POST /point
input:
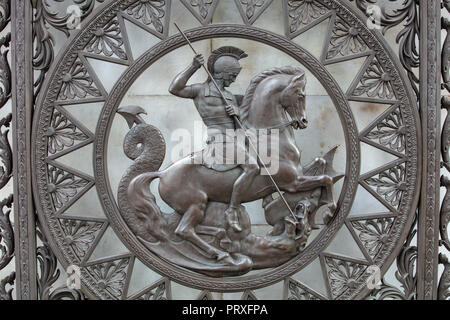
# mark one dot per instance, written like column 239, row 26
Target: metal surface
column 69, row 79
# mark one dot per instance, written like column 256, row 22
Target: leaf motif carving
column 108, row 41
column 375, row 83
column 149, row 12
column 390, row 184
column 390, row 132
column 6, row 233
column 5, row 152
column 406, row 38
column 111, row 275
column 9, row 280
column 343, row 275
column 44, row 42
column 304, row 12
column 373, row 233
column 5, row 13
column 155, row 294
column 203, row 6
column 78, row 84
column 62, row 133
column 405, row 274
column 80, row 235
column 49, row 274
column 5, row 71
column 251, row 7
column 296, row 292
column 63, row 186
column 345, row 40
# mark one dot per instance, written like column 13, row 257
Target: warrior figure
column 219, row 118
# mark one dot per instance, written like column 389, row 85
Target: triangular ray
column 81, row 234
column 87, row 206
column 387, row 184
column 108, row 246
column 87, row 114
column 141, row 279
column 387, row 132
column 342, row 273
column 343, row 43
column 313, row 39
column 274, row 12
column 65, row 134
column 372, row 158
column 312, row 277
column 205, row 295
column 372, row 234
column 66, row 185
column 180, row 292
column 365, row 112
column 225, row 13
column 302, row 15
column 73, row 157
column 373, row 83
column 294, row 290
column 140, row 38
column 111, row 274
column 365, row 204
column 111, row 72
column 80, row 85
column 346, row 71
column 344, row 244
column 273, row 292
column 248, row 295
column 203, row 10
column 109, row 43
column 251, row 10
column 153, row 16
column 160, row 290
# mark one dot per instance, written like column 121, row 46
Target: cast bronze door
column 219, row 149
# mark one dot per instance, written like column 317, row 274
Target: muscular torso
column 210, row 105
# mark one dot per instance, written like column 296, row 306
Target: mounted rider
column 218, row 117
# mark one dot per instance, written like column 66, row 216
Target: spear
column 238, row 121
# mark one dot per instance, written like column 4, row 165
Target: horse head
column 274, row 96
column 293, row 100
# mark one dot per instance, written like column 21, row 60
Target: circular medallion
column 72, row 81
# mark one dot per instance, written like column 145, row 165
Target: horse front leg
column 307, row 183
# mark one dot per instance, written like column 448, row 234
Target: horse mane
column 248, row 98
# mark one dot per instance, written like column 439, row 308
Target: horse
column 275, row 99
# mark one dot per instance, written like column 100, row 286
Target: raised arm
column 178, row 86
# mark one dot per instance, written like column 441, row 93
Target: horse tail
column 144, row 202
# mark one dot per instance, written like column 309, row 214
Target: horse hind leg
column 331, row 206
column 186, row 230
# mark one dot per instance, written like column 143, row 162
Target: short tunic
column 225, row 149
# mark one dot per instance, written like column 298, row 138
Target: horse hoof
column 327, row 216
column 225, row 244
column 222, row 255
column 333, row 206
column 236, row 227
column 232, row 219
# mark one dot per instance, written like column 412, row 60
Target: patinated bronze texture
column 314, row 239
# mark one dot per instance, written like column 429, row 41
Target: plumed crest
column 225, row 51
